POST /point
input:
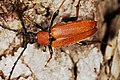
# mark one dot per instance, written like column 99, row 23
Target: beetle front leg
column 51, row 53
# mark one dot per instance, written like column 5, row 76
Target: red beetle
column 66, row 34
column 59, row 35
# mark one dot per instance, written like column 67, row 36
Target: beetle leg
column 61, row 4
column 51, row 53
column 92, row 42
column 62, row 50
column 77, row 9
column 66, row 19
column 83, row 43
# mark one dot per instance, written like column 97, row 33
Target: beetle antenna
column 36, row 25
column 8, row 28
column 25, row 46
column 20, row 13
column 11, row 72
column 53, row 18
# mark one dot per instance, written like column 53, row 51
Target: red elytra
column 69, row 33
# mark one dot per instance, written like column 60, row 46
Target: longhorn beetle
column 59, row 35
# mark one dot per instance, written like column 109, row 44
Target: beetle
column 66, row 34
column 57, row 36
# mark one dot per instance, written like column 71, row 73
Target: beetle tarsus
column 48, row 60
column 51, row 53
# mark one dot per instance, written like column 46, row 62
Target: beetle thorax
column 43, row 38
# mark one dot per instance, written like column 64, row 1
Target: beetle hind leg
column 83, row 43
column 68, row 18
